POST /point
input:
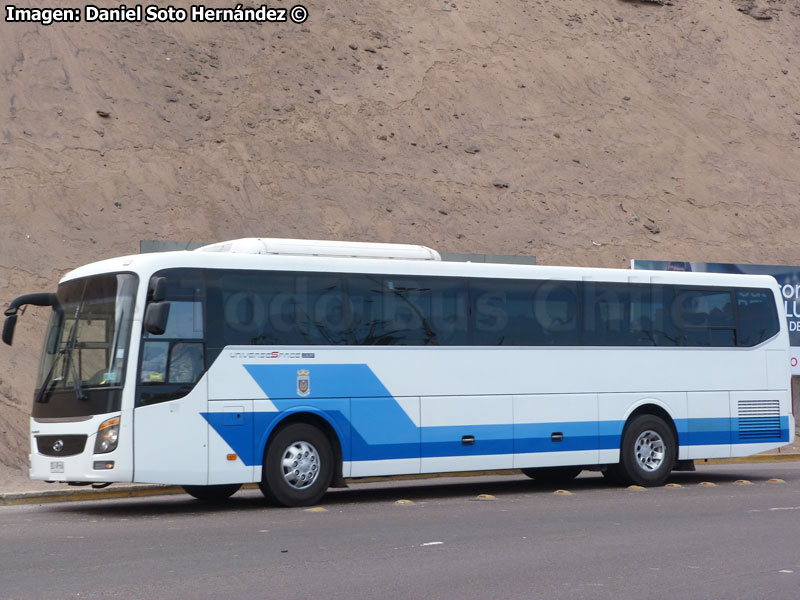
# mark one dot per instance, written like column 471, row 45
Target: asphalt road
column 730, row 540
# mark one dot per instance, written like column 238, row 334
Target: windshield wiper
column 47, row 385
column 65, row 352
column 68, row 348
column 76, row 381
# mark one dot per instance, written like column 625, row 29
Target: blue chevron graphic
column 371, row 424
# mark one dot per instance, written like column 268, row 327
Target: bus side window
column 259, row 308
column 705, row 317
column 641, row 316
column 177, row 355
column 757, row 317
column 449, row 311
column 405, row 311
column 406, row 314
column 185, row 362
column 665, row 330
column 502, row 313
column 606, row 315
column 185, row 321
column 323, row 314
column 555, row 305
column 365, row 308
column 154, row 362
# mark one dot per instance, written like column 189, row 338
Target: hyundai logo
column 58, row 446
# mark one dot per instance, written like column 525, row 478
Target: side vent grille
column 759, row 419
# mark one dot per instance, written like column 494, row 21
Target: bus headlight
column 107, row 436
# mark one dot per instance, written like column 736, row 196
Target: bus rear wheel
column 553, row 474
column 212, row 493
column 298, row 466
column 647, row 453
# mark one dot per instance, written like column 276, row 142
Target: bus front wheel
column 647, row 453
column 298, row 466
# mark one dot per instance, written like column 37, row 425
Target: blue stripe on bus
column 443, row 441
column 249, row 439
column 372, row 425
column 704, row 431
column 723, row 430
column 579, row 435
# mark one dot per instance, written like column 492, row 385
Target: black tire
column 553, row 474
column 297, row 445
column 212, row 493
column 647, row 453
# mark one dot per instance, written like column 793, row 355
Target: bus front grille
column 60, row 445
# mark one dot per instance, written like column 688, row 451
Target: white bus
column 298, row 364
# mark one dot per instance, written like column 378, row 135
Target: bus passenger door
column 170, row 438
column 461, row 433
column 170, row 426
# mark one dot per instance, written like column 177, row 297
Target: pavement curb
column 143, row 491
column 756, row 458
column 75, row 495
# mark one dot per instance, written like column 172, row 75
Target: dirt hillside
column 584, row 132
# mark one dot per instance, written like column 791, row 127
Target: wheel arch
column 320, row 422
column 625, row 471
column 655, row 408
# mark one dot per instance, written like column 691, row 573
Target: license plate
column 56, row 466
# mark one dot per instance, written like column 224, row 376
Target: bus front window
column 82, row 367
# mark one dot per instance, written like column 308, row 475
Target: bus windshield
column 85, row 348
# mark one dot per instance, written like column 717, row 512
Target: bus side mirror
column 8, row 328
column 40, row 299
column 155, row 317
column 158, row 289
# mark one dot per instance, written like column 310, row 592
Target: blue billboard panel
column 788, row 278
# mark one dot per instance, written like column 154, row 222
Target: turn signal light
column 232, row 457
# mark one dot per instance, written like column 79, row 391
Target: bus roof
column 249, row 255
column 292, row 247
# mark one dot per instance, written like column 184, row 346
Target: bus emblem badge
column 303, row 385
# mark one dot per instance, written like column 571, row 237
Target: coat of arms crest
column 303, row 383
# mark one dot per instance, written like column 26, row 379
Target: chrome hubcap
column 649, row 449
column 300, row 465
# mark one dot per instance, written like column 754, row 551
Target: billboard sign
column 788, row 278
